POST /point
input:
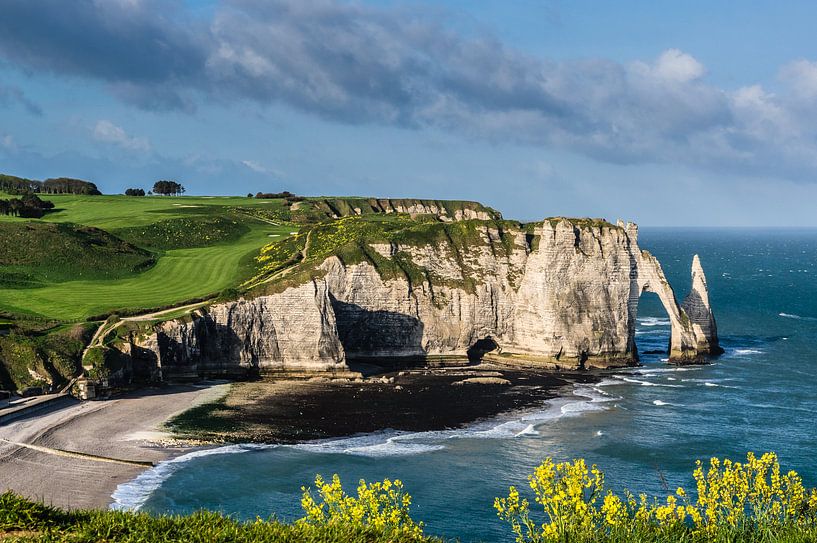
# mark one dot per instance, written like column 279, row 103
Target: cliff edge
column 557, row 294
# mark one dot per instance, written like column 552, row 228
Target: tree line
column 59, row 185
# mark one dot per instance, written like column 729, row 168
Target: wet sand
column 417, row 400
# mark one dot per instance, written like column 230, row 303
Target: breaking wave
column 653, row 321
column 797, row 317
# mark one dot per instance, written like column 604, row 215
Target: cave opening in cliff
column 652, row 328
column 480, row 348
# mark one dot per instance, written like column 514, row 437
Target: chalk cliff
column 560, row 294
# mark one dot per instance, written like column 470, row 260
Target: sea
column 644, row 427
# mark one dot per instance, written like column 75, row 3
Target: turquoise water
column 645, row 427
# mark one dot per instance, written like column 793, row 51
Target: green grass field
column 180, row 274
column 112, row 212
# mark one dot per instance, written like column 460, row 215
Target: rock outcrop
column 561, row 295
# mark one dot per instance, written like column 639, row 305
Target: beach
column 76, row 455
column 120, row 437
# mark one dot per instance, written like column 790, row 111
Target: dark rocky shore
column 286, row 411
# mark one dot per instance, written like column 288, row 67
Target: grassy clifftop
column 353, row 239
column 304, row 211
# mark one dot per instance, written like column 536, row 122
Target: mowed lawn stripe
column 179, row 275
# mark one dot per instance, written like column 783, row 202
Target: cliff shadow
column 209, row 349
column 386, row 338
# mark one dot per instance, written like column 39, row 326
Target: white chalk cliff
column 561, row 295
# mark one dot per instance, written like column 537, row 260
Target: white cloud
column 107, row 132
column 254, row 166
column 359, row 63
column 7, row 142
column 676, row 65
column 801, row 78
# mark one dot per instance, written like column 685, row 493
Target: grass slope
column 25, row 521
column 36, row 254
column 202, row 246
column 179, row 275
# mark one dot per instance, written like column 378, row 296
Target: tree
column 29, row 206
column 167, row 187
column 249, row 195
column 134, row 192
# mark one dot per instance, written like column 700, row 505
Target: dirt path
column 155, row 314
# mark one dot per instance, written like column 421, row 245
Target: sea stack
column 697, row 308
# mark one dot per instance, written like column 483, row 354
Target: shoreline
column 74, row 457
column 127, row 428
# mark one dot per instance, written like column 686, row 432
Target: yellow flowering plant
column 736, row 501
column 380, row 505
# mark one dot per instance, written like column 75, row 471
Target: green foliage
column 736, row 502
column 17, row 185
column 200, row 269
column 751, row 502
column 68, row 185
column 167, row 187
column 29, row 206
column 103, row 361
column 62, row 185
column 185, row 232
column 35, row 253
column 34, row 522
column 53, row 357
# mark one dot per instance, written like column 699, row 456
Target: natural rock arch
column 693, row 333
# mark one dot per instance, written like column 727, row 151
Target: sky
column 663, row 112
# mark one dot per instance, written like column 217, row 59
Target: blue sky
column 667, row 113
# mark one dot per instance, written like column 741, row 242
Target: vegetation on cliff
column 33, row 358
column 93, row 255
column 353, row 239
column 746, row 502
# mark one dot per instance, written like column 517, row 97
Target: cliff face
column 561, row 295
